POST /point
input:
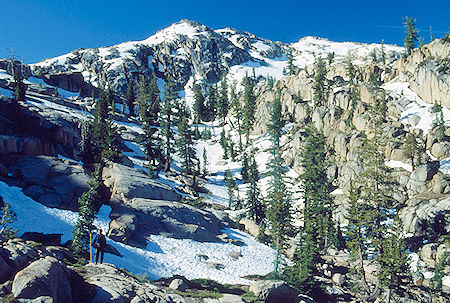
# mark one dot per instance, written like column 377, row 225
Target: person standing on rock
column 99, row 243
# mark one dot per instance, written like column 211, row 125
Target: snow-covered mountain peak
column 307, row 48
column 184, row 27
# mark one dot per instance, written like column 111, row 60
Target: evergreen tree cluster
column 99, row 137
column 318, row 232
column 149, row 110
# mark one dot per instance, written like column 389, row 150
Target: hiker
column 99, row 243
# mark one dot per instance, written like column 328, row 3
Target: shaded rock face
column 178, row 51
column 51, row 181
column 44, row 277
column 45, row 239
column 7, row 65
column 36, row 132
column 14, row 256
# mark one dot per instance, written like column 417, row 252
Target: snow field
column 163, row 257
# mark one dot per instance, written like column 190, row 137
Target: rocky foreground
column 33, row 272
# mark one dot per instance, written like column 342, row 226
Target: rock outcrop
column 51, row 181
column 427, row 70
column 32, row 273
column 277, row 292
column 128, row 183
column 142, row 206
column 134, row 222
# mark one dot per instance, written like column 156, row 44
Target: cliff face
column 344, row 122
column 428, row 72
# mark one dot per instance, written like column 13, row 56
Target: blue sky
column 39, row 29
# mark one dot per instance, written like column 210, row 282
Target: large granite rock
column 44, row 277
column 51, row 181
column 113, row 285
column 419, row 213
column 126, row 183
column 277, row 292
column 134, row 222
column 423, row 70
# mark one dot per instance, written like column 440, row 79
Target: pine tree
column 278, row 198
column 439, row 121
column 185, row 144
column 254, row 203
column 101, row 137
column 383, row 53
column 231, row 148
column 350, row 71
column 411, row 34
column 231, row 186
column 205, row 162
column 150, row 143
column 237, row 112
column 357, row 234
column 411, row 148
column 392, row 258
column 306, row 256
column 149, row 106
column 320, row 85
column 223, row 104
column 420, row 42
column 224, row 143
column 86, row 216
column 330, row 58
column 248, row 112
column 130, row 99
column 211, row 104
column 379, row 204
column 199, row 105
column 245, row 168
column 110, row 99
column 318, row 232
column 316, row 190
column 289, row 70
column 18, row 84
column 431, row 34
column 143, row 98
column 167, row 121
column 7, row 217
